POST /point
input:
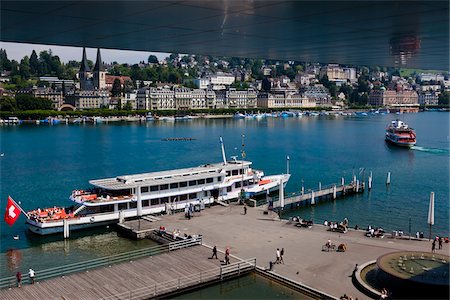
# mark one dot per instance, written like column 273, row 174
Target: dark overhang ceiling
column 388, row 33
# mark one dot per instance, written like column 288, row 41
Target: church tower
column 85, row 73
column 99, row 73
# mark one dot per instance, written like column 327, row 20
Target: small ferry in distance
column 111, row 200
column 400, row 134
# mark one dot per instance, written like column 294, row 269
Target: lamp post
column 242, row 166
column 287, row 164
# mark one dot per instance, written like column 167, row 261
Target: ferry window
column 235, row 172
column 241, row 171
column 228, row 173
column 153, row 188
column 133, row 204
column 174, row 185
column 144, row 203
column 144, row 189
column 245, row 183
column 193, row 196
column 164, row 200
column 192, row 182
column 122, row 206
column 183, row 197
column 229, row 189
column 219, row 179
column 107, row 208
column 154, row 201
column 183, row 184
column 209, row 180
column 205, row 193
column 201, row 181
column 163, row 187
column 237, row 184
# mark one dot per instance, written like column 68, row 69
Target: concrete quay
column 258, row 235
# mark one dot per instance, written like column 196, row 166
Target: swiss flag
column 12, row 212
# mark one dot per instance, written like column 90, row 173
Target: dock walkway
column 137, row 279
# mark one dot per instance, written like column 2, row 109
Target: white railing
column 171, row 286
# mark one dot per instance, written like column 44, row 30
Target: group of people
column 31, row 275
column 227, row 255
column 279, row 256
column 337, row 226
column 374, row 232
column 189, row 211
column 439, row 240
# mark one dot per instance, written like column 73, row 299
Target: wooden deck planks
column 119, row 278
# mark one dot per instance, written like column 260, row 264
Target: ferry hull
column 400, row 144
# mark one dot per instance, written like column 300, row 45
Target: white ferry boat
column 111, row 200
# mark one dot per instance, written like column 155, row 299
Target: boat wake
column 430, row 150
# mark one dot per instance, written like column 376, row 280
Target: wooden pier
column 332, row 191
column 148, row 277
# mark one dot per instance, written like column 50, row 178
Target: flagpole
column 21, row 209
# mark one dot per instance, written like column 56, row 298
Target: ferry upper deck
column 216, row 170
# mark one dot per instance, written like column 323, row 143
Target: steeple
column 84, row 64
column 99, row 64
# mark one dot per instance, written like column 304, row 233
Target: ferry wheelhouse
column 400, row 134
column 113, row 199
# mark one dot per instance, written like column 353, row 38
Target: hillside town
column 196, row 82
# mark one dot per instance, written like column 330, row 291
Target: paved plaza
column 258, row 235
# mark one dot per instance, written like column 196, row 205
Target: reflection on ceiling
column 388, row 33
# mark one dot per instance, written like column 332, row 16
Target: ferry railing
column 9, row 282
column 171, row 286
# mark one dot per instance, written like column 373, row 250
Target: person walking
column 433, row 246
column 227, row 256
column 281, row 256
column 31, row 274
column 19, row 279
column 440, row 243
column 245, row 209
column 214, row 255
column 278, row 256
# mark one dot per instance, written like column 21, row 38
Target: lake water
column 42, row 164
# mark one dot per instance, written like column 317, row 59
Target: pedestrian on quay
column 278, row 256
column 214, row 252
column 281, row 256
column 19, row 279
column 433, row 246
column 245, row 209
column 440, row 242
column 227, row 256
column 31, row 274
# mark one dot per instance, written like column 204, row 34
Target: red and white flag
column 12, row 212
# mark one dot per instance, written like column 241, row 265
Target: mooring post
column 320, row 186
column 388, row 179
column 357, row 186
column 342, row 181
column 312, row 198
column 354, row 178
column 334, row 192
column 370, row 181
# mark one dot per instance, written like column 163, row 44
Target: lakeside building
column 384, row 97
column 88, row 99
column 92, row 79
column 317, row 93
column 218, row 81
column 241, row 99
column 109, row 81
column 338, row 74
column 55, row 96
column 431, row 77
column 284, row 100
column 429, row 98
column 130, row 97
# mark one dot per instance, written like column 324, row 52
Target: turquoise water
column 42, row 164
column 250, row 286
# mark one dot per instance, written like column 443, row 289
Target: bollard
column 388, row 179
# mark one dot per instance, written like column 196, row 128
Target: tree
column 444, row 98
column 24, row 68
column 152, row 59
column 127, row 106
column 7, row 104
column 34, row 63
column 265, row 85
column 5, row 63
column 116, row 88
column 28, row 102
